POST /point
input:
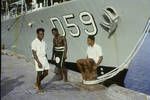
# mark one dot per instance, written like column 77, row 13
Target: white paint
column 69, row 25
column 89, row 22
column 61, row 25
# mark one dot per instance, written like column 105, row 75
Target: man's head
column 55, row 32
column 90, row 40
column 40, row 33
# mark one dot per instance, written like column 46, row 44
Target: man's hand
column 39, row 65
column 94, row 67
column 97, row 64
column 65, row 57
column 52, row 59
column 100, row 60
column 36, row 58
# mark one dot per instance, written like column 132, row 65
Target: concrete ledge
column 116, row 92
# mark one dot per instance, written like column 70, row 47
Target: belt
column 59, row 48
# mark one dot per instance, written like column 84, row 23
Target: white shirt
column 94, row 52
column 39, row 46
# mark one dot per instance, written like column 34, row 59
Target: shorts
column 44, row 62
column 59, row 57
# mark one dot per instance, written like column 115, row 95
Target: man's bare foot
column 35, row 86
column 41, row 91
column 59, row 77
column 66, row 80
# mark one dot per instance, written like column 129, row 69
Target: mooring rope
column 125, row 63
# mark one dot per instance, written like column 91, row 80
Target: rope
column 126, row 62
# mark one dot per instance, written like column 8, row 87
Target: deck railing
column 20, row 7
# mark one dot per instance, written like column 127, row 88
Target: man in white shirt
column 39, row 47
column 88, row 66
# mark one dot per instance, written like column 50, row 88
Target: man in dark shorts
column 88, row 66
column 60, row 54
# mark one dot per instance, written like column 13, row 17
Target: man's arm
column 99, row 53
column 46, row 50
column 86, row 57
column 53, row 52
column 36, row 58
column 46, row 56
column 100, row 60
column 66, row 47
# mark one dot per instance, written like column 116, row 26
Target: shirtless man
column 88, row 66
column 60, row 53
